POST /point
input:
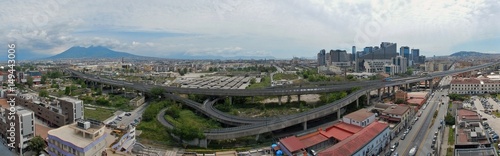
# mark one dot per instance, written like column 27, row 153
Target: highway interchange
column 272, row 124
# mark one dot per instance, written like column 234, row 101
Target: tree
column 252, row 81
column 44, row 79
column 67, row 90
column 157, row 91
column 449, row 119
column 43, row 93
column 37, row 144
column 29, row 81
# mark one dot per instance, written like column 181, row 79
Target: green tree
column 67, row 90
column 252, row 81
column 157, row 91
column 44, row 79
column 37, row 144
column 29, row 81
column 449, row 119
column 43, row 93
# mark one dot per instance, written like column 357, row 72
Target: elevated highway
column 285, row 121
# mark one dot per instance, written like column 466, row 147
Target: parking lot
column 216, row 82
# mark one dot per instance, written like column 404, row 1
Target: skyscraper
column 405, row 52
column 322, row 58
column 401, row 62
column 353, row 53
column 415, row 53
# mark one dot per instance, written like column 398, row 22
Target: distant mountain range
column 92, row 52
column 184, row 56
column 471, row 54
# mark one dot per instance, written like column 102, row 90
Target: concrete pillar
column 393, row 89
column 231, row 100
column 425, row 84
column 431, row 85
column 288, row 98
column 298, row 98
column 357, row 103
column 368, row 98
column 388, row 90
column 338, row 114
column 253, row 99
column 279, row 100
column 257, row 137
column 304, row 124
column 379, row 95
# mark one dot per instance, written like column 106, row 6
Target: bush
column 449, row 119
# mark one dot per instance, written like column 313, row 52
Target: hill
column 92, row 52
column 470, row 54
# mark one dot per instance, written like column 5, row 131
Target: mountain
column 184, row 56
column 24, row 54
column 471, row 54
column 92, row 52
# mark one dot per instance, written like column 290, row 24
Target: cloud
column 282, row 28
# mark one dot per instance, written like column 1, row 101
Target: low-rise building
column 18, row 129
column 369, row 141
column 56, row 112
column 470, row 132
column 362, row 118
column 82, row 138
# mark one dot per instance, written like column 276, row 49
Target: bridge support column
column 368, row 98
column 298, row 98
column 379, row 95
column 257, row 137
column 253, row 99
column 425, row 84
column 393, row 89
column 230, row 100
column 338, row 113
column 407, row 87
column 288, row 99
column 304, row 124
column 388, row 90
column 357, row 103
column 279, row 100
column 431, row 85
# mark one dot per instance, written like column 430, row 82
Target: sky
column 279, row 28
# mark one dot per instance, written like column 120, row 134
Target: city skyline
column 281, row 29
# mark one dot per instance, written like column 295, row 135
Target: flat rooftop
column 72, row 100
column 69, row 133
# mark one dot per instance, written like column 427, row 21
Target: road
column 286, row 121
column 135, row 114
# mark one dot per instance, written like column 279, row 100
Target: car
column 128, row 114
column 396, row 154
column 403, row 137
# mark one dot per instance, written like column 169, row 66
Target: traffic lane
column 425, row 126
column 426, row 146
column 408, row 142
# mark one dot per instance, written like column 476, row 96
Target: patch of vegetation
column 153, row 132
column 188, row 125
column 264, row 83
column 256, row 68
column 458, row 97
column 449, row 119
column 450, row 151
column 280, row 76
column 451, row 137
column 100, row 114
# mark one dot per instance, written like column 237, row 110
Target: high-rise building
column 415, row 53
column 339, row 56
column 401, row 62
column 367, row 50
column 84, row 137
column 23, row 129
column 405, row 52
column 322, row 58
column 353, row 53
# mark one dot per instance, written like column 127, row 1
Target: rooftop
column 73, row 134
column 292, row 143
column 359, row 115
column 352, row 144
column 397, row 109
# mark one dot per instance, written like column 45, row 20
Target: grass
column 451, row 137
column 154, row 133
column 100, row 114
column 279, row 76
column 187, row 116
column 449, row 151
column 267, row 110
column 497, row 114
column 261, row 84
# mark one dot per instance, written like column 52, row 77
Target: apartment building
column 24, row 127
column 82, row 138
column 362, row 118
column 55, row 112
column 474, row 86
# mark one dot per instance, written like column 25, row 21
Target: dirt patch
column 308, row 98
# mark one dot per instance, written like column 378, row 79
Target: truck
column 388, row 79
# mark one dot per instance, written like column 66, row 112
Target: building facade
column 362, row 118
column 474, row 86
column 322, row 58
column 401, row 62
column 23, row 129
column 82, row 138
column 57, row 112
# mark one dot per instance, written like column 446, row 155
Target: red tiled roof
column 337, row 133
column 359, row 115
column 292, row 143
column 347, row 127
column 352, row 144
column 312, row 139
column 397, row 109
column 416, row 101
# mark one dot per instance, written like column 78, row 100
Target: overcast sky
column 279, row 28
